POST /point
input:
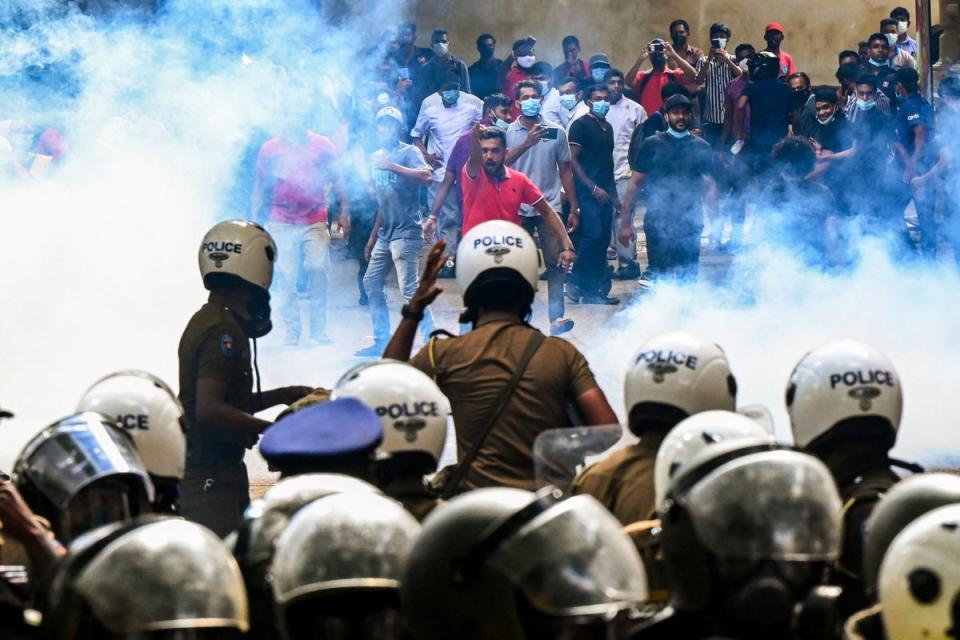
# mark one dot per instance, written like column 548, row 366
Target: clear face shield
column 374, row 616
column 574, row 570
column 559, row 455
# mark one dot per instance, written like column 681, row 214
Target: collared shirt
column 541, row 163
column 695, row 58
column 915, row 111
column 483, row 77
column 486, row 198
column 443, row 125
column 459, row 156
column 909, row 45
column 473, row 370
column 553, row 111
column 434, row 73
column 719, row 77
column 626, row 116
column 730, row 97
column 903, row 60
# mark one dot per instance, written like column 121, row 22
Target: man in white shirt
column 445, row 116
column 625, row 116
column 559, row 104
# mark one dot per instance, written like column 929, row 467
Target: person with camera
column 647, row 85
column 715, row 76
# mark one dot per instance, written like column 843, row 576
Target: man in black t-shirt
column 675, row 171
column 771, row 104
column 591, row 150
column 832, row 136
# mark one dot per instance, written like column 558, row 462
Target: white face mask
column 828, row 120
column 902, row 27
column 722, row 42
column 891, row 39
column 525, row 62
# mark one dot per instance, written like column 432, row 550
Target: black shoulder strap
column 463, row 465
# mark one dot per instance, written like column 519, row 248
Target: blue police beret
column 322, row 433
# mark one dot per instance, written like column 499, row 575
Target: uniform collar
column 504, row 317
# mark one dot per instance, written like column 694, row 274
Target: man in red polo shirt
column 493, row 191
column 773, row 35
column 648, row 85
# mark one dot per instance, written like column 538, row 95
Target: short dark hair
column 719, row 27
column 569, row 40
column 495, row 100
column 799, row 74
column 825, row 93
column 848, row 72
column 847, row 53
column 407, row 26
column 542, row 68
column 867, row 78
column 484, row 36
column 614, row 73
column 526, row 84
column 877, row 36
column 450, row 81
column 887, row 22
column 592, row 89
column 797, row 154
column 568, row 80
column 680, row 22
column 909, row 79
column 744, row 47
column 491, row 133
column 673, row 89
column 900, row 12
column 438, row 32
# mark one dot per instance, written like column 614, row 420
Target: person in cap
column 416, row 419
column 845, row 402
column 82, row 472
column 599, row 65
column 505, row 381
column 675, row 171
column 316, row 440
column 150, row 412
column 162, row 578
column 216, row 377
column 548, row 567
column 671, row 377
column 397, row 174
column 647, row 85
column 773, row 36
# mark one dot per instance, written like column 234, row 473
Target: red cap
column 774, row 26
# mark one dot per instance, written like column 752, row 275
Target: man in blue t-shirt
column 915, row 154
column 398, row 171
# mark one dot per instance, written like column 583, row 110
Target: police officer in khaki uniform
column 500, row 403
column 216, row 381
column 673, row 376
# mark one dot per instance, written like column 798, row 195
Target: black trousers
column 591, row 241
column 672, row 253
column 215, row 493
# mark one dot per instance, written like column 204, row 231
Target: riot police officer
column 216, row 382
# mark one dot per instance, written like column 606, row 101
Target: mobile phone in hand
column 551, row 133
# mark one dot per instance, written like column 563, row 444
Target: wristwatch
column 410, row 314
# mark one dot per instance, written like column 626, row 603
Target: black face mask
column 679, row 41
column 258, row 324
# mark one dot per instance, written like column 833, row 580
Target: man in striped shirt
column 719, row 71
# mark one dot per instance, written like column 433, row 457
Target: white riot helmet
column 920, row 579
column 694, row 434
column 150, row 412
column 676, row 375
column 844, row 388
column 240, row 249
column 413, row 410
column 494, row 251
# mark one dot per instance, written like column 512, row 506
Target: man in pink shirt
column 295, row 172
column 773, row 34
column 493, row 191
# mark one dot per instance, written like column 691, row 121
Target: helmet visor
column 778, row 505
column 560, row 454
column 573, row 560
column 74, row 455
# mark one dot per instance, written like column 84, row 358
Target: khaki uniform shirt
column 623, row 481
column 474, row 369
column 215, row 346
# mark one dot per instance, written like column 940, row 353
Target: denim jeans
column 449, row 220
column 550, row 245
column 404, row 254
column 306, row 246
column 626, row 256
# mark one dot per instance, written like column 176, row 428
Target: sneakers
column 598, row 299
column 561, row 326
column 373, row 351
column 611, row 253
column 627, row 271
column 573, row 293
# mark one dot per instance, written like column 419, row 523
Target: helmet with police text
column 694, row 434
column 237, row 249
column 676, row 375
column 82, row 472
column 150, row 412
column 339, row 563
column 263, row 522
column 541, row 562
column 903, row 503
column 497, row 252
column 920, row 579
column 844, row 389
column 763, row 65
column 749, row 527
column 157, row 578
column 414, row 412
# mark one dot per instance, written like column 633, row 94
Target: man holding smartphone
column 715, row 77
column 539, row 149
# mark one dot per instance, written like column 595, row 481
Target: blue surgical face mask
column 544, row 87
column 601, row 108
column 450, row 96
column 678, row 134
column 598, row 74
column 568, row 101
column 501, row 124
column 866, row 105
column 530, row 107
column 885, row 63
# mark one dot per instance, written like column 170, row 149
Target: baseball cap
column 599, row 58
column 391, row 112
column 677, row 101
column 774, row 26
